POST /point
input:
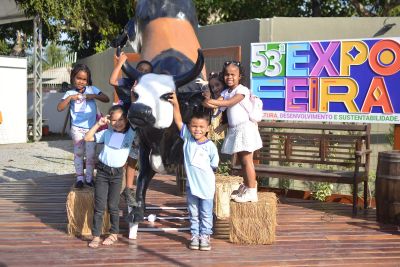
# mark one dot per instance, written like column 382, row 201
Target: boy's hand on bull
column 206, row 103
column 173, row 99
column 122, row 58
column 201, row 82
column 206, row 94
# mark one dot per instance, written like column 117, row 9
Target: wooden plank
column 309, row 233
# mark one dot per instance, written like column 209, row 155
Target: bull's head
column 151, row 107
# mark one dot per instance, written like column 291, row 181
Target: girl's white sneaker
column 249, row 195
column 238, row 191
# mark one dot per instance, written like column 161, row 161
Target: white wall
column 237, row 33
column 13, row 86
column 54, row 119
column 326, row 28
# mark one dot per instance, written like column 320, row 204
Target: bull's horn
column 189, row 76
column 130, row 71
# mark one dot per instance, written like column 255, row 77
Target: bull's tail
column 129, row 33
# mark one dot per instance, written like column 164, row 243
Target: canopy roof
column 9, row 12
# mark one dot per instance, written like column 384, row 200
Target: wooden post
column 396, row 145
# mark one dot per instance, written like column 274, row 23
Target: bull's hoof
column 157, row 164
column 133, row 229
column 135, row 215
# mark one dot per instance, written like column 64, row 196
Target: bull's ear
column 130, row 71
column 189, row 76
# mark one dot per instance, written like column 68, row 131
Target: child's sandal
column 95, row 243
column 111, row 239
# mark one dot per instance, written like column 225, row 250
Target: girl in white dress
column 243, row 136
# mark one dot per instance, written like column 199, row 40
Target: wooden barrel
column 387, row 187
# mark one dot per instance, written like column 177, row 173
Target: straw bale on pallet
column 224, row 186
column 80, row 209
column 254, row 223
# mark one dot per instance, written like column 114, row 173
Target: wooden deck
column 33, row 233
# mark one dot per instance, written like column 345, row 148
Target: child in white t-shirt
column 117, row 141
column 243, row 136
column 83, row 110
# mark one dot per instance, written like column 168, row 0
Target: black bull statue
column 164, row 34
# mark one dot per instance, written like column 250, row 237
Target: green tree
column 212, row 11
column 216, row 11
column 383, row 8
column 4, row 48
column 89, row 24
column 8, row 35
column 53, row 55
column 92, row 24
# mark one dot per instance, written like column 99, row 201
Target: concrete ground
column 32, row 160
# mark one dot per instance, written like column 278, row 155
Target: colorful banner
column 338, row 81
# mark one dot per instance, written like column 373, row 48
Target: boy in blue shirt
column 117, row 141
column 200, row 160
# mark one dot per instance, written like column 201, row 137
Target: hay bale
column 254, row 223
column 224, row 185
column 80, row 209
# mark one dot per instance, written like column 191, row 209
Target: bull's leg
column 141, row 188
column 133, row 227
column 145, row 175
column 146, row 186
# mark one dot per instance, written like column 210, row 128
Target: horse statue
column 164, row 33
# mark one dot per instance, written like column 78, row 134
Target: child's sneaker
column 249, row 195
column 194, row 242
column 79, row 182
column 238, row 191
column 89, row 181
column 90, row 184
column 205, row 243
